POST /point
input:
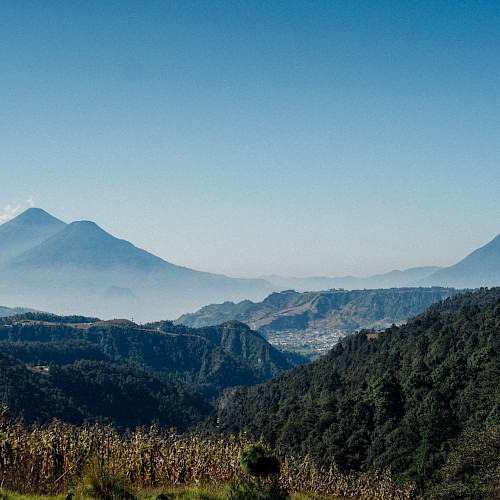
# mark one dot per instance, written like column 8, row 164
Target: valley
column 387, row 400
column 310, row 342
column 311, row 323
column 249, row 250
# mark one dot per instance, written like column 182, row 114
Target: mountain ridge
column 392, row 279
column 478, row 269
column 76, row 268
column 312, row 322
column 80, row 268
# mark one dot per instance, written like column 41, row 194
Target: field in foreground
column 95, row 462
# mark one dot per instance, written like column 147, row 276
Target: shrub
column 98, row 483
column 260, row 463
column 256, row 461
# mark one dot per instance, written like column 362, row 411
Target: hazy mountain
column 85, row 244
column 117, row 292
column 393, row 279
column 13, row 311
column 80, row 268
column 480, row 268
column 398, row 279
column 26, row 231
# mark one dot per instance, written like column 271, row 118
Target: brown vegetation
column 52, row 459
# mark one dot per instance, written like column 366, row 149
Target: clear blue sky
column 247, row 138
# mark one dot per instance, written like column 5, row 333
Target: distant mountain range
column 393, row 279
column 479, row 269
column 80, row 268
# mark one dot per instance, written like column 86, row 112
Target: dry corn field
column 51, row 460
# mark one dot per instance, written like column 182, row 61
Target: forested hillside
column 98, row 391
column 240, row 340
column 78, row 368
column 422, row 399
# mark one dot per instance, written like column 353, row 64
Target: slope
column 399, row 400
column 85, row 244
column 126, row 396
column 480, row 268
column 238, row 339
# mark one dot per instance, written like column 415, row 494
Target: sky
column 318, row 138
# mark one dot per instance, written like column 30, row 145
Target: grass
column 179, row 493
column 9, row 495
